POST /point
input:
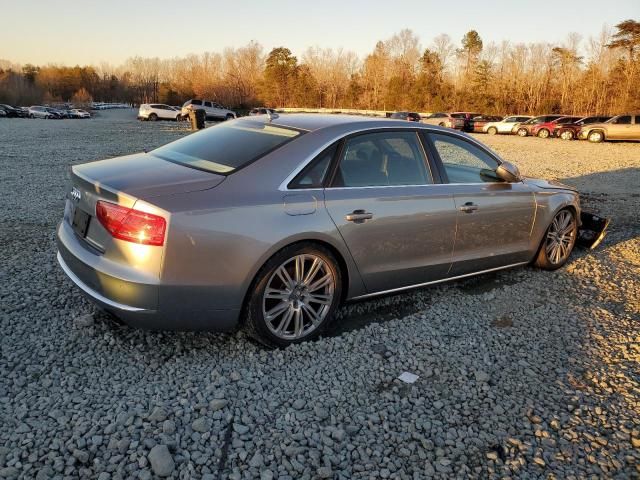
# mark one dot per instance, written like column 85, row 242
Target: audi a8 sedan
column 270, row 222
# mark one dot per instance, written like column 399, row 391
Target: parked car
column 621, row 127
column 214, row 110
column 444, row 120
column 525, row 128
column 476, row 124
column 78, row 113
column 39, row 112
column 246, row 220
column 261, row 111
column 157, row 111
column 506, row 125
column 569, row 131
column 55, row 113
column 466, row 116
column 9, row 111
column 409, row 116
column 545, row 129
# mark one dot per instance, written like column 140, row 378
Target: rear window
column 226, row 147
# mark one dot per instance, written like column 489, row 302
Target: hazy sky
column 90, row 31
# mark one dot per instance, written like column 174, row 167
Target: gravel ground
column 523, row 373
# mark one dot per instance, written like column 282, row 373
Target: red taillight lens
column 131, row 225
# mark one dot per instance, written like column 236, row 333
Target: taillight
column 131, row 225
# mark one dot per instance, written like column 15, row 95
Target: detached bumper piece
column 592, row 231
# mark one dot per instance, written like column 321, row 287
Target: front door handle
column 358, row 216
column 469, row 207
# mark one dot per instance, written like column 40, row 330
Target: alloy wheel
column 560, row 237
column 566, row 135
column 298, row 296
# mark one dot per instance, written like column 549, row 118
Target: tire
column 492, row 130
column 441, row 124
column 153, row 117
column 558, row 241
column 596, row 136
column 289, row 303
column 522, row 132
column 543, row 133
column 566, row 135
column 229, row 117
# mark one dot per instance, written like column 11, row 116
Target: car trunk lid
column 130, row 181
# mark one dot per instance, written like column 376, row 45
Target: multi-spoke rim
column 560, row 237
column 298, row 296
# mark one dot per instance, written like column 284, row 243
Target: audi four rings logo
column 75, row 194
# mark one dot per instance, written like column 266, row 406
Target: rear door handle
column 358, row 216
column 468, row 207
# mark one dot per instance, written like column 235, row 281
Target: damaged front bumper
column 592, row 231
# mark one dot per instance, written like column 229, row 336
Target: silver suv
column 214, row 110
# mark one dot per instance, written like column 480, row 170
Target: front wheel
column 543, row 133
column 294, row 296
column 558, row 241
column 566, row 135
column 522, row 132
column 492, row 130
column 596, row 136
column 229, row 117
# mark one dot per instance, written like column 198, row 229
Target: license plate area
column 80, row 222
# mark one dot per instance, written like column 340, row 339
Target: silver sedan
column 271, row 222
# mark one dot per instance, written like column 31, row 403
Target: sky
column 71, row 32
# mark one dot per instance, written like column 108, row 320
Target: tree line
column 578, row 76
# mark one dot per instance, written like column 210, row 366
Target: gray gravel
column 524, row 373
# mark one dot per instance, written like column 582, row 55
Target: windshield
column 226, row 147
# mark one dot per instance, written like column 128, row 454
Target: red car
column 531, row 125
column 569, row 131
column 545, row 130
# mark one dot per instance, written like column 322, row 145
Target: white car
column 79, row 113
column 507, row 125
column 157, row 111
column 214, row 111
column 39, row 112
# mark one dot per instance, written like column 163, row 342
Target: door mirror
column 508, row 172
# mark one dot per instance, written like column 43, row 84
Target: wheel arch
column 548, row 207
column 597, row 129
column 352, row 284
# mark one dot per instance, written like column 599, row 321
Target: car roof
column 313, row 121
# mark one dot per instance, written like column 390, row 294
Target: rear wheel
column 596, row 136
column 566, row 135
column 492, row 130
column 295, row 295
column 153, row 117
column 543, row 133
column 558, row 241
column 522, row 132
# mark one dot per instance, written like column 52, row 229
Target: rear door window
column 382, row 159
column 228, row 146
column 207, row 104
column 196, row 102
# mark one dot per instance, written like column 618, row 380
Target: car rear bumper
column 134, row 302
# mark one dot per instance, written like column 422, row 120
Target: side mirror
column 508, row 172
